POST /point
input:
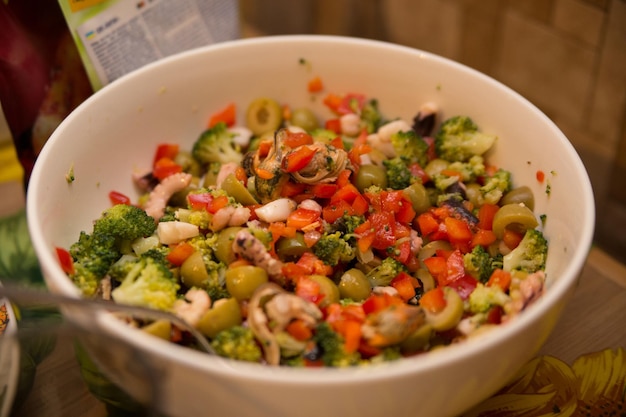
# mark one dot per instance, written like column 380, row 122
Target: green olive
column 224, row 244
column 518, row 195
column 369, row 175
column 435, row 167
column 224, row 314
column 159, row 328
column 289, row 248
column 516, row 217
column 328, row 289
column 354, row 285
column 237, row 190
column 377, row 157
column 304, row 118
column 474, row 196
column 210, row 177
column 188, row 163
column 417, row 194
column 418, row 340
column 425, row 277
column 241, row 281
column 450, row 316
column 264, row 115
column 193, row 271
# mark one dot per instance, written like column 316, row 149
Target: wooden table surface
column 592, row 322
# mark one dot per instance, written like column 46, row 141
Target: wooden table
column 593, row 321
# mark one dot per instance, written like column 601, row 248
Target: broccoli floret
column 216, row 145
column 238, row 343
column 148, row 283
column 530, row 255
column 347, row 223
column 483, row 298
column 96, row 252
column 398, row 173
column 458, row 139
column 496, row 186
column 479, row 264
column 200, row 218
column 371, row 117
column 333, row 249
column 387, row 354
column 382, row 275
column 410, row 147
column 331, row 345
column 470, row 170
column 86, row 280
column 125, row 222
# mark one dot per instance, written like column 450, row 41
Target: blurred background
column 568, row 57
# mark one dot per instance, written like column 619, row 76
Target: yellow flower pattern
column 593, row 386
column 4, row 318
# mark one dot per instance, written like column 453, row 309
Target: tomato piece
column 226, row 115
column 486, row 213
column 483, row 238
column 500, row 278
column 384, row 229
column 511, row 238
column 180, row 253
column 427, row 223
column 298, row 159
column 351, row 103
column 299, row 330
column 433, row 300
column 332, row 101
column 295, row 139
column 405, row 284
column 464, row 286
column 360, row 205
column 216, row 203
column 315, row 85
column 455, row 268
column 334, row 125
column 165, row 167
column 118, row 198
column 405, row 213
column 336, row 210
column 324, row 190
column 165, row 150
column 65, row 260
column 302, row 217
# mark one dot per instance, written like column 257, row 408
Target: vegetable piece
column 147, row 283
column 484, row 297
column 458, row 139
column 216, row 145
column 384, row 273
column 328, row 291
column 354, row 285
column 304, row 118
column 495, row 186
column 410, row 147
column 315, row 85
column 180, row 253
column 448, row 317
column 516, row 217
column 125, row 222
column 479, row 264
column 398, row 173
column 237, row 190
column 242, row 281
column 371, row 175
column 224, row 314
column 530, row 255
column 227, row 115
column 118, row 198
column 333, row 249
column 263, row 115
column 331, row 345
column 418, row 196
column 520, row 195
column 237, row 343
column 224, row 244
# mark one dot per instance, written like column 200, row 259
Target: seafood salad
column 289, row 240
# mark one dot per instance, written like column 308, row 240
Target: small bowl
column 116, row 130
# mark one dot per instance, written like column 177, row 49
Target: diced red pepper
column 433, row 300
column 299, row 330
column 483, row 238
column 500, row 278
column 427, row 223
column 199, row 201
column 324, row 190
column 118, row 198
column 335, row 210
column 511, row 238
column 179, row 253
column 165, row 150
column 315, row 85
column 360, row 205
column 405, row 284
column 65, row 260
column 295, row 139
column 334, row 125
column 346, row 193
column 332, row 101
column 302, row 217
column 217, row 203
column 226, row 115
column 464, row 286
column 298, row 159
column 486, row 213
column 384, row 229
column 165, row 167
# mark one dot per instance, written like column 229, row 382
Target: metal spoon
column 25, row 295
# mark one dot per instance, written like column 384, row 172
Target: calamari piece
column 393, row 324
column 270, row 310
column 529, row 290
column 253, row 250
column 157, row 201
column 192, row 308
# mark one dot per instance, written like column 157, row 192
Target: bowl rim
column 561, row 287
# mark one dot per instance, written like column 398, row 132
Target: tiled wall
column 566, row 56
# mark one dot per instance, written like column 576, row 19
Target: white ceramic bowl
column 116, row 131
